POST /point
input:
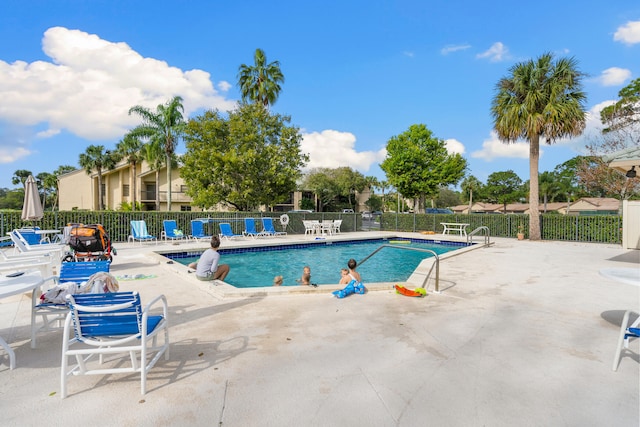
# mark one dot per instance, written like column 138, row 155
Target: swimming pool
column 257, row 266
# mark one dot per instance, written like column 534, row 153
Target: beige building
column 79, row 190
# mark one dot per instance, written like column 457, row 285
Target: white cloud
column 332, row 149
column 493, row 148
column 497, row 52
column 454, row 146
column 629, row 33
column 48, row 133
column 614, row 76
column 454, row 48
column 224, row 86
column 409, row 54
column 10, row 154
column 89, row 85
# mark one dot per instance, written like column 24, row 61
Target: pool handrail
column 486, row 234
column 436, row 264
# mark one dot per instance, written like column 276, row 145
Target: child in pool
column 306, row 276
column 277, row 281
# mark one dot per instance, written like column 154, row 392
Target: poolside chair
column 101, row 324
column 139, row 232
column 628, row 330
column 268, row 228
column 171, row 232
column 53, row 314
column 250, row 229
column 308, row 227
column 226, row 232
column 337, row 223
column 21, row 245
column 197, row 230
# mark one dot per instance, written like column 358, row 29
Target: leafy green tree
column 374, row 203
column 541, row 98
column 447, row 198
column 249, row 159
column 503, row 187
column 626, row 111
column 164, row 127
column 418, row 163
column 260, row 82
column 11, row 199
column 323, row 185
column 131, row 148
column 97, row 158
column 349, row 183
column 20, row 176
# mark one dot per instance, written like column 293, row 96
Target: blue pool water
column 256, row 267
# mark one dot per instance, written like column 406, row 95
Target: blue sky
column 357, row 72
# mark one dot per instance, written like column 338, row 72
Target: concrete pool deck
column 522, row 333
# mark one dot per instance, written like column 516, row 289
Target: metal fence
column 599, row 229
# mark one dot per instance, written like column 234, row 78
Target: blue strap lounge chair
column 171, row 232
column 250, row 228
column 53, row 314
column 268, row 228
column 197, row 230
column 139, row 232
column 226, row 232
column 109, row 324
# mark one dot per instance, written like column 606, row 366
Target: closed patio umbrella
column 32, row 207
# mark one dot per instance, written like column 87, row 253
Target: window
column 185, row 208
column 183, row 188
column 125, row 190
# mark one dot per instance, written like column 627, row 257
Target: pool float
column 427, row 232
column 418, row 292
column 399, row 241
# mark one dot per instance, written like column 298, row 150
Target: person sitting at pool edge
column 208, row 267
column 352, row 275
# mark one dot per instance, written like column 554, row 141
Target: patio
column 523, row 333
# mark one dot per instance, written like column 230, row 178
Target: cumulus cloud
column 454, row 146
column 497, row 52
column 89, row 85
column 454, row 48
column 10, row 154
column 332, row 149
column 628, row 33
column 614, row 76
column 493, row 148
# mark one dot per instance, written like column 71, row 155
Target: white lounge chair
column 628, row 331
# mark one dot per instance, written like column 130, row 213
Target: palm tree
column 154, row 155
column 260, row 82
column 61, row 170
column 46, row 182
column 541, row 98
column 20, row 176
column 95, row 157
column 164, row 126
column 131, row 148
column 471, row 184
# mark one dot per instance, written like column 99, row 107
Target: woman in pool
column 208, row 267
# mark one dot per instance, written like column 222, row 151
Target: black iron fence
column 599, row 229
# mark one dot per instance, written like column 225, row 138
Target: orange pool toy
column 418, row 292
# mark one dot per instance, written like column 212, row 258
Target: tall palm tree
column 539, row 98
column 154, row 155
column 164, row 126
column 95, row 157
column 260, row 82
column 20, row 176
column 131, row 148
column 469, row 185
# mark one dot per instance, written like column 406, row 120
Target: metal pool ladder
column 435, row 264
column 485, row 232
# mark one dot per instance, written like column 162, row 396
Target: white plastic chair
column 107, row 324
column 337, row 223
